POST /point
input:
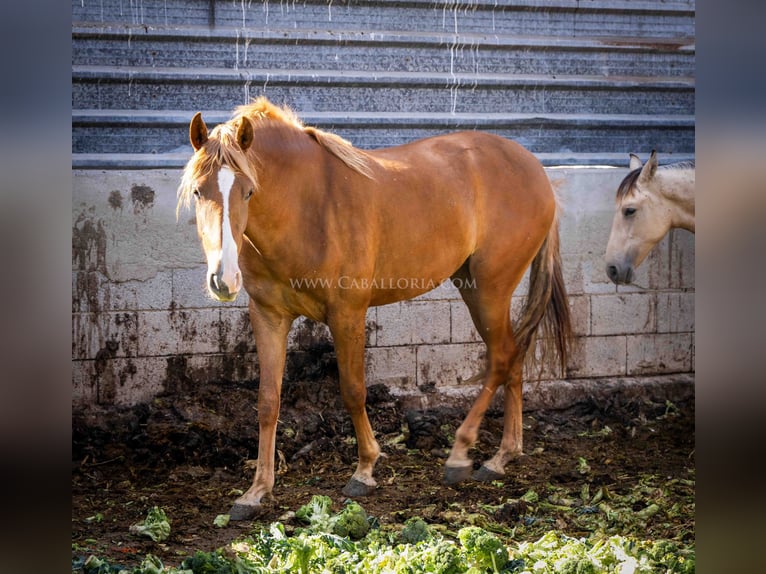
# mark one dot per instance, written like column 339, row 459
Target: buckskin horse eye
column 629, row 211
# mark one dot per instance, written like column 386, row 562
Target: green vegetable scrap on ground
column 156, row 525
column 483, row 549
column 415, row 530
column 317, row 513
column 351, row 522
column 350, row 541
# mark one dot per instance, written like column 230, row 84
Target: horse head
column 220, row 180
column 640, row 221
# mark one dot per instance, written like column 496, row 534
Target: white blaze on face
column 226, row 260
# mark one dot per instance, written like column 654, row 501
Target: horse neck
column 282, row 161
column 677, row 187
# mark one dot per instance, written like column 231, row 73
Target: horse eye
column 249, row 194
column 629, row 211
column 195, row 192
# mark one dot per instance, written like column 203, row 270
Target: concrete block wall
column 142, row 323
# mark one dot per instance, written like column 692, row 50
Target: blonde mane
column 221, row 147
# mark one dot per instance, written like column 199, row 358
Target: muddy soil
column 192, row 454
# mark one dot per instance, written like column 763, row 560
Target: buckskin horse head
column 650, row 201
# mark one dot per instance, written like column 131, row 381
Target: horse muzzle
column 619, row 274
column 222, row 290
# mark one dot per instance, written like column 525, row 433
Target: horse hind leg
column 504, row 368
column 512, row 441
column 491, row 316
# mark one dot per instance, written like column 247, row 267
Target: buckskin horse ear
column 197, row 131
column 244, row 134
column 647, row 172
column 635, row 162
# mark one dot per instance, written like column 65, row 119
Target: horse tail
column 546, row 309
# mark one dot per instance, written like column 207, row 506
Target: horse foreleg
column 349, row 336
column 271, row 342
column 511, row 443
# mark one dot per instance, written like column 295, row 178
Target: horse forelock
column 627, row 185
column 220, row 149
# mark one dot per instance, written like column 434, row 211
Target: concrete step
column 178, row 160
column 567, row 78
column 658, row 18
column 564, row 135
column 375, row 51
column 101, row 87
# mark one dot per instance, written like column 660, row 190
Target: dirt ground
column 191, row 454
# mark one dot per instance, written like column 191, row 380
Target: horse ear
column 244, row 134
column 635, row 162
column 197, row 131
column 647, row 172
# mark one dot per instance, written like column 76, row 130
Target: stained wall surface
column 143, row 324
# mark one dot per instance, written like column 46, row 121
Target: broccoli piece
column 580, row 565
column 665, row 553
column 208, row 563
column 352, row 521
column 415, row 530
column 444, row 558
column 662, row 548
column 156, row 526
column 483, row 549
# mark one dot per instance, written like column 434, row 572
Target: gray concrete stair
column 575, row 137
column 378, row 51
column 321, row 90
column 573, row 81
column 560, row 18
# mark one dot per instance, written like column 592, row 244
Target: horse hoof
column 456, row 474
column 485, row 474
column 243, row 511
column 356, row 488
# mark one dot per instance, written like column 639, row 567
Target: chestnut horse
column 650, row 201
column 309, row 225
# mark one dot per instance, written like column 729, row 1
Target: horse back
column 441, row 199
column 471, row 180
